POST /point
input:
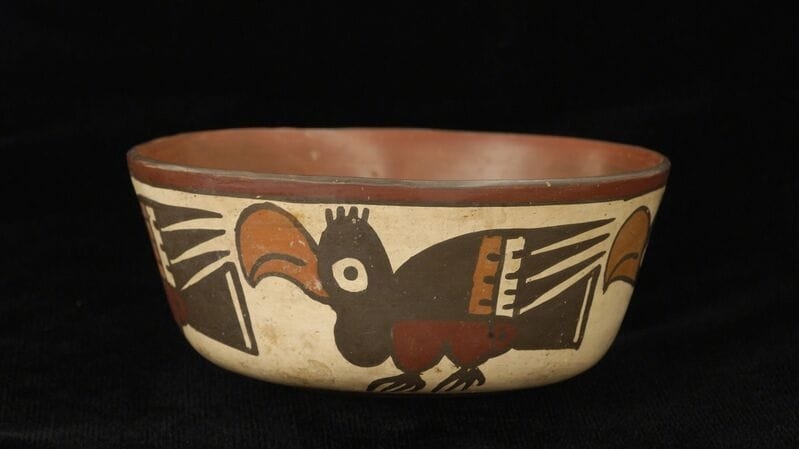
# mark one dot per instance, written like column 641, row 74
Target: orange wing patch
column 485, row 276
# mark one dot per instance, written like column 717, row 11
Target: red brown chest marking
column 419, row 345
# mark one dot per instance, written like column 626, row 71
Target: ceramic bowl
column 398, row 260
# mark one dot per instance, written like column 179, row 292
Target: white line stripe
column 560, row 266
column 558, row 289
column 207, row 246
column 163, row 261
column 232, row 288
column 596, row 232
column 582, row 310
column 208, row 269
column 509, row 266
column 197, row 223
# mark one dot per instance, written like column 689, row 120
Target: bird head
column 353, row 265
column 348, row 268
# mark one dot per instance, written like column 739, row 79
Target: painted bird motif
column 469, row 298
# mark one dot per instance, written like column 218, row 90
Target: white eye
column 350, row 274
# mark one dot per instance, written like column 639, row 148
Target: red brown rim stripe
column 368, row 191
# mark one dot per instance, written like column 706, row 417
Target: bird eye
column 350, row 274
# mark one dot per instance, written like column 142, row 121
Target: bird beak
column 271, row 242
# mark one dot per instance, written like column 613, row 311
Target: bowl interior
column 407, row 154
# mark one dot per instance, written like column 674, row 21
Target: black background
column 90, row 357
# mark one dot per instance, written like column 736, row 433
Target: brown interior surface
column 408, row 154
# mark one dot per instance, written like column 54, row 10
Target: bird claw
column 464, row 378
column 396, row 384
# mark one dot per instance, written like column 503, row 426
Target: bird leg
column 464, row 378
column 395, row 384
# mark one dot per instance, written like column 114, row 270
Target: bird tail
column 559, row 321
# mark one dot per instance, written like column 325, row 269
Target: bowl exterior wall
column 374, row 296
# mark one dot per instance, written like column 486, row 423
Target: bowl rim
column 310, row 188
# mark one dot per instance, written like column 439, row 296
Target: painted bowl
column 397, row 260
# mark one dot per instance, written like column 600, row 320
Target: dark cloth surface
column 90, row 356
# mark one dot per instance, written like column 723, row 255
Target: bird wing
column 200, row 275
column 545, row 262
column 503, row 272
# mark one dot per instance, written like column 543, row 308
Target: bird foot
column 464, row 378
column 395, row 384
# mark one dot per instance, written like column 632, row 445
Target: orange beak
column 271, row 242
